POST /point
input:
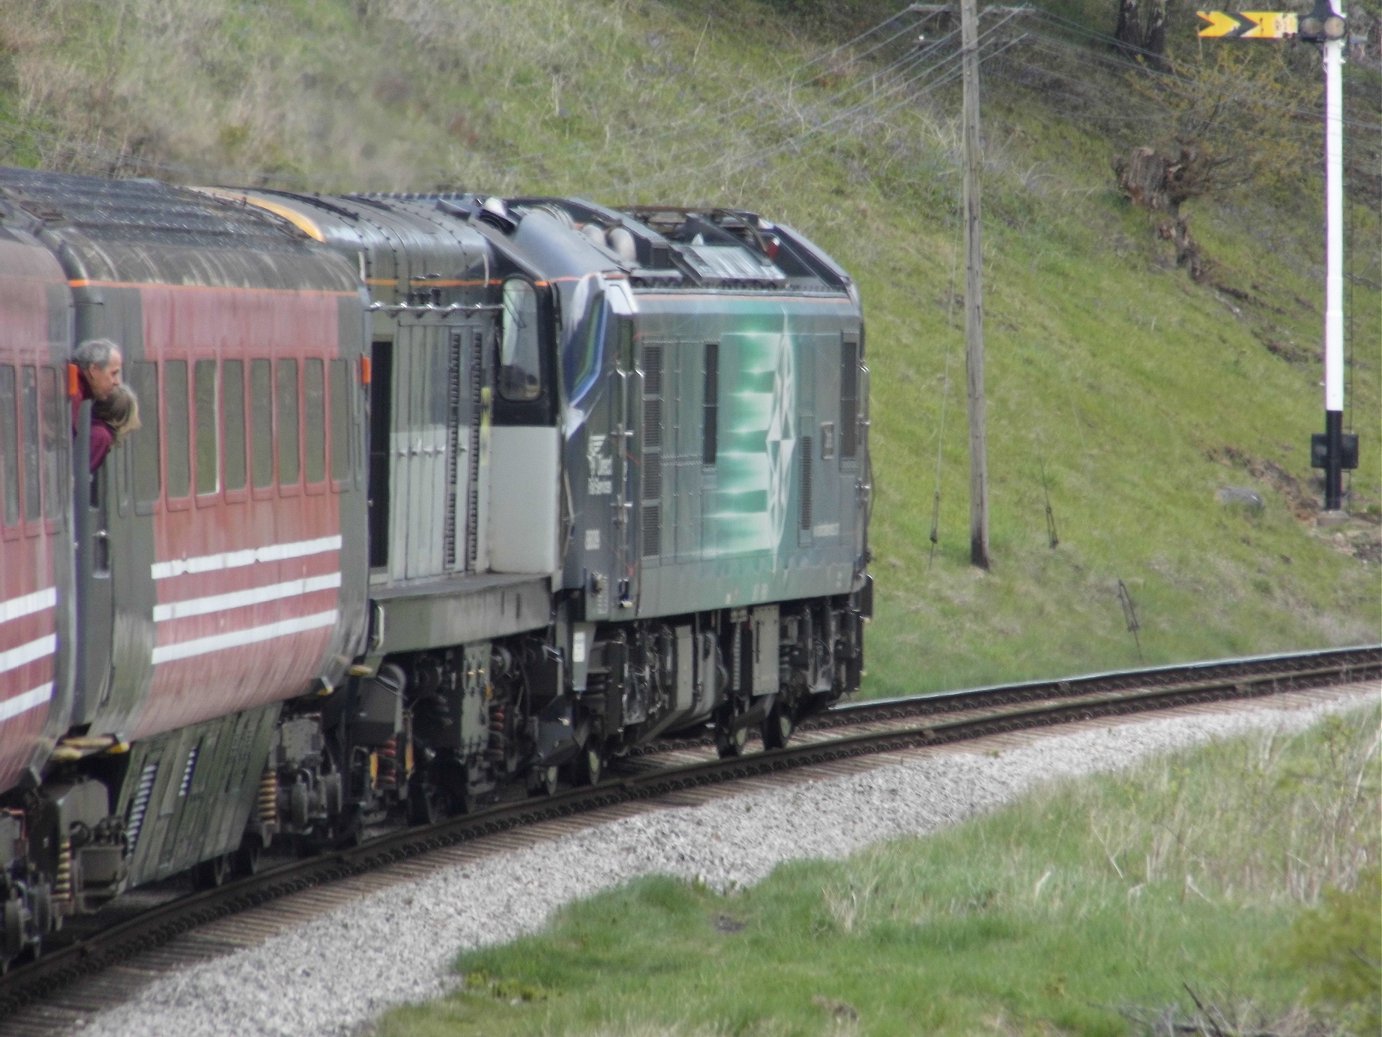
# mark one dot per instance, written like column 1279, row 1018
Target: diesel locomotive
column 435, row 497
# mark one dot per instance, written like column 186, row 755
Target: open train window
column 9, row 446
column 520, row 357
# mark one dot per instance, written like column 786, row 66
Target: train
column 437, row 498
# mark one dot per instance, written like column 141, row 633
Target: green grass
column 1120, row 393
column 1241, row 875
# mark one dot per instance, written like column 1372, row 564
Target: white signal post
column 1335, row 461
column 1334, row 451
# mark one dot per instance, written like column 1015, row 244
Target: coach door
column 95, row 595
column 427, row 404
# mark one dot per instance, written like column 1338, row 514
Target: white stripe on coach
column 11, row 708
column 27, row 604
column 239, row 638
column 13, row 658
column 249, row 556
column 239, row 599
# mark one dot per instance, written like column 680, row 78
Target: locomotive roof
column 410, row 244
column 669, row 247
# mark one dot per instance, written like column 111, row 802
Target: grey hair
column 94, row 352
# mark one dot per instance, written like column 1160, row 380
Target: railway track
column 164, row 929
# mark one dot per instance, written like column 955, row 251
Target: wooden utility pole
column 974, row 292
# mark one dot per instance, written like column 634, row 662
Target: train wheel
column 245, row 861
column 422, row 802
column 729, row 742
column 212, row 874
column 778, row 726
column 16, row 918
column 589, row 765
column 46, row 920
column 544, row 781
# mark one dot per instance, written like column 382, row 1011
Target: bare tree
column 1141, row 41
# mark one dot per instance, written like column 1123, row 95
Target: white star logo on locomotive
column 600, row 466
column 782, row 439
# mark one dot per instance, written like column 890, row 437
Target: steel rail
column 908, row 724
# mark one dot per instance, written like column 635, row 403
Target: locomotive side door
column 625, row 407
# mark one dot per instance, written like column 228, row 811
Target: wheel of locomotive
column 778, row 726
column 420, row 803
column 14, row 921
column 46, row 920
column 244, row 862
column 347, row 833
column 441, row 791
column 729, row 741
column 212, row 874
column 544, row 781
column 589, row 765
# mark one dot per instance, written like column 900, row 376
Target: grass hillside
column 1148, row 420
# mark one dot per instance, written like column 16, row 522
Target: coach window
column 262, row 423
column 53, row 427
column 340, row 423
column 29, row 406
column 9, row 445
column 233, row 412
column 286, row 411
column 314, row 419
column 208, row 456
column 177, row 461
column 142, row 377
column 520, row 376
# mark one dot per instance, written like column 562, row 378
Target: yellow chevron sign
column 1248, row 25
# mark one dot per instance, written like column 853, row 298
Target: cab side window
column 520, row 372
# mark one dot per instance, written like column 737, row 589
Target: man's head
column 99, row 361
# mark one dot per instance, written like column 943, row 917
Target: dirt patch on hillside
column 1357, row 532
column 1299, row 497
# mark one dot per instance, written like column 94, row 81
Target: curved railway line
column 165, row 929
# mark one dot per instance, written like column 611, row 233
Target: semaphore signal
column 1334, row 450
